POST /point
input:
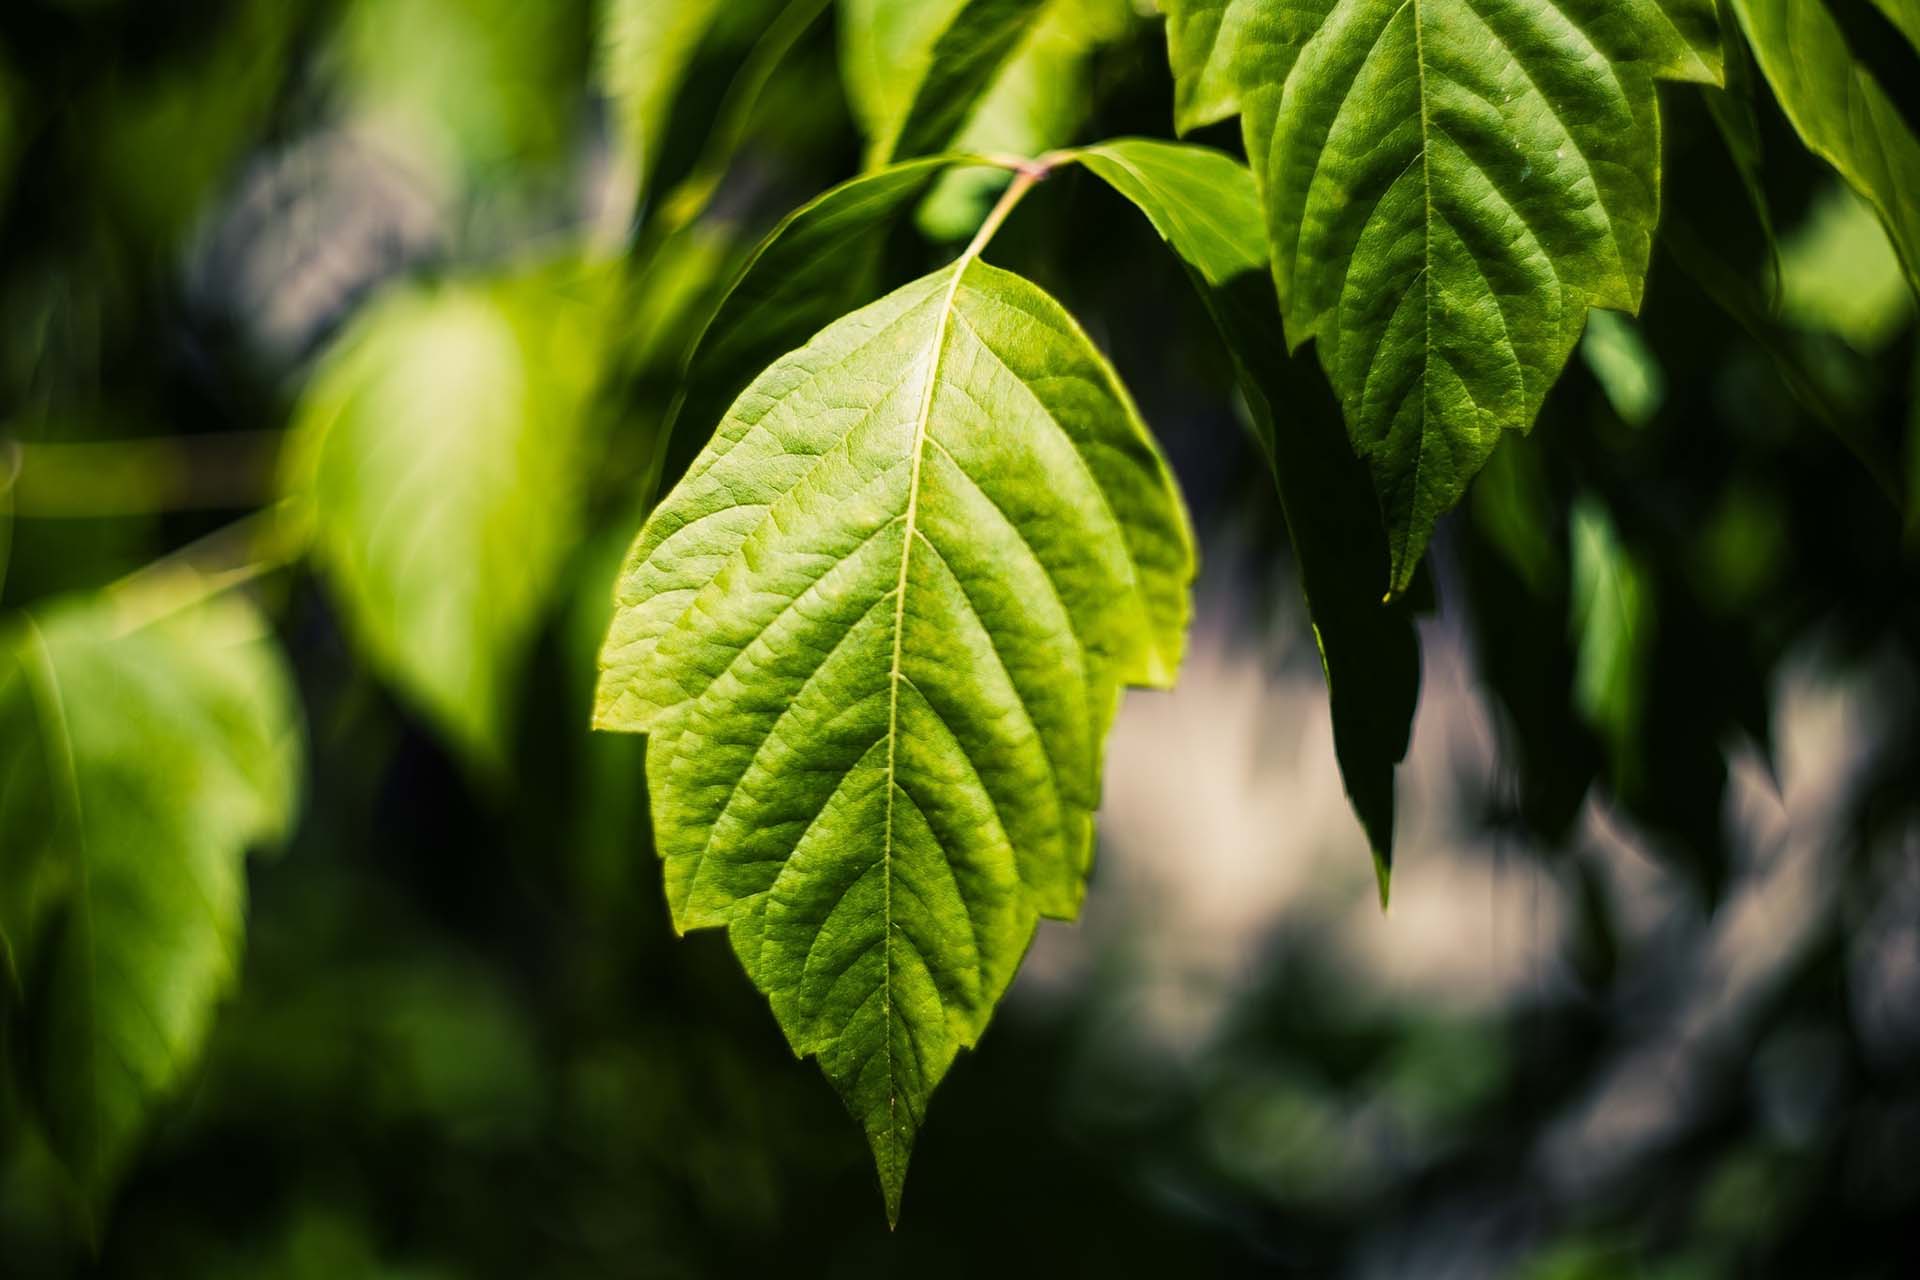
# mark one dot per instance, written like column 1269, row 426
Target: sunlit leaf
column 1205, row 206
column 1840, row 110
column 436, row 459
column 915, row 69
column 876, row 636
column 137, row 768
column 1625, row 367
column 822, row 261
column 1839, row 273
column 1448, row 187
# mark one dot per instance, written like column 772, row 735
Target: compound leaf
column 1449, row 185
column 1840, row 110
column 435, row 460
column 877, row 635
column 137, row 768
column 1203, row 203
column 915, row 69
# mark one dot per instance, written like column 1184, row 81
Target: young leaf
column 914, row 69
column 136, row 771
column 1204, row 204
column 877, row 636
column 1840, row 111
column 1448, row 187
column 435, row 458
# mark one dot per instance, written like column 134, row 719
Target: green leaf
column 1204, row 205
column 877, row 636
column 436, row 459
column 1840, row 111
column 645, row 49
column 1036, row 103
column 1449, row 186
column 1612, row 627
column 1905, row 15
column 822, row 261
column 915, row 69
column 137, row 768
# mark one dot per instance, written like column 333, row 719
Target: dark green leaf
column 1205, row 206
column 1448, row 188
column 1840, row 111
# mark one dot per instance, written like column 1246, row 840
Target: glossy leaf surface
column 876, row 636
column 1449, row 186
column 1204, row 204
column 1840, row 110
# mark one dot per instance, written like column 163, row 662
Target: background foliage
column 1646, row 1002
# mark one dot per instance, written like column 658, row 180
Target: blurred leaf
column 914, row 69
column 1625, row 366
column 1840, row 111
column 136, row 770
column 881, row 761
column 1904, row 14
column 1039, row 99
column 437, row 458
column 1612, row 623
column 1444, row 243
column 472, row 87
column 1205, row 206
column 1839, row 273
column 646, row 47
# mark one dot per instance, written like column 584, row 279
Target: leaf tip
column 1383, row 879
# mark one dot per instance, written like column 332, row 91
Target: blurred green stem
column 230, row 556
column 231, row 470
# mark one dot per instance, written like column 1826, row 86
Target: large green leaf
column 876, row 636
column 1840, row 111
column 915, row 69
column 436, row 459
column 1204, row 204
column 1449, row 186
column 137, row 768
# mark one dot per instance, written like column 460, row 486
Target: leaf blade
column 139, row 770
column 1449, row 186
column 876, row 636
column 1205, row 205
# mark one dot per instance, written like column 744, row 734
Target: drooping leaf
column 876, row 636
column 1035, row 104
column 823, row 261
column 645, row 49
column 1733, row 106
column 1840, row 110
column 1449, row 186
column 435, row 458
column 915, row 69
column 1204, row 204
column 137, row 768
